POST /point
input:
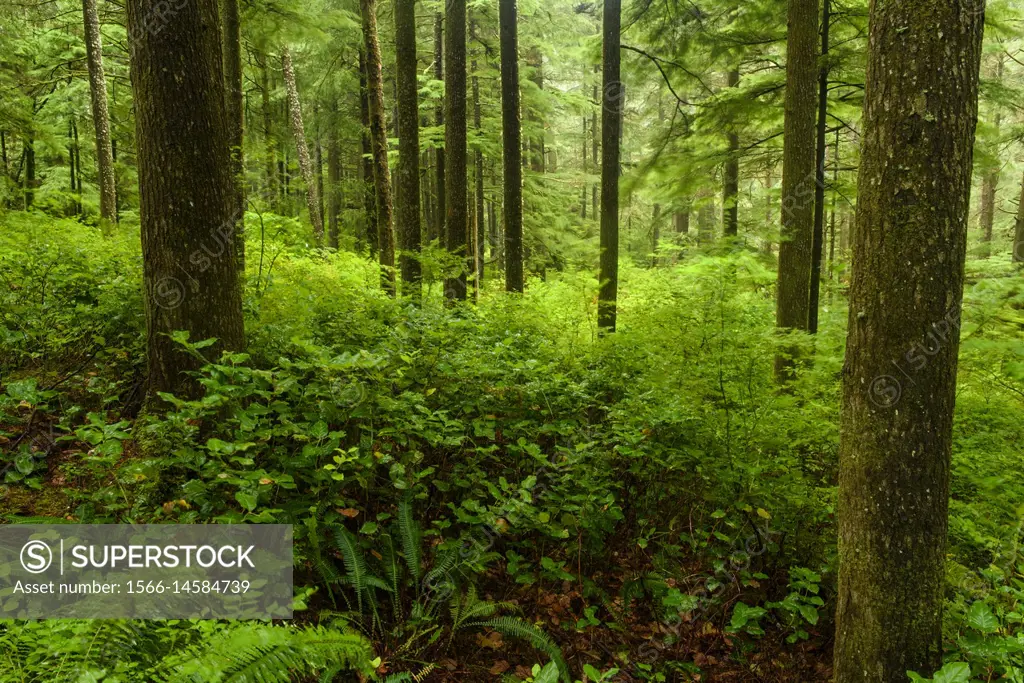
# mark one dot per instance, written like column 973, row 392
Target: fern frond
column 411, row 539
column 514, row 627
column 355, row 564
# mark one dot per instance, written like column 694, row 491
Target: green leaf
column 954, row 672
column 981, row 618
column 809, row 613
column 549, row 674
column 246, row 500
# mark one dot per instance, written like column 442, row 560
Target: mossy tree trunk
column 100, row 115
column 899, row 378
column 379, row 146
column 186, row 192
column 408, row 178
column 302, row 147
column 512, row 146
column 798, row 179
column 456, row 207
column 611, row 123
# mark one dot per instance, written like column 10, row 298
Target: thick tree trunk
column 456, row 218
column 682, row 222
column 302, row 148
column 611, row 122
column 512, row 146
column 899, row 378
column 369, row 193
column 232, row 56
column 100, row 116
column 440, row 212
column 379, row 145
column 186, row 191
column 798, row 179
column 818, row 234
column 408, row 179
column 731, row 172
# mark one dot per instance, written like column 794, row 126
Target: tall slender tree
column 1017, row 251
column 798, row 178
column 408, row 178
column 512, row 145
column 456, row 213
column 818, row 235
column 379, row 145
column 731, row 170
column 439, row 175
column 899, row 379
column 611, row 124
column 100, row 116
column 232, row 56
column 302, row 148
column 186, row 191
column 366, row 169
column 478, row 171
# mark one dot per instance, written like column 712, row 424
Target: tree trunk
column 318, row 164
column 655, row 234
column 77, row 167
column 594, row 141
column 731, row 173
column 439, row 121
column 302, row 149
column 682, row 222
column 611, row 122
column 379, row 145
column 185, row 190
column 512, row 146
column 100, row 117
column 818, row 235
column 271, row 190
column 478, row 174
column 333, row 178
column 456, row 228
column 232, row 56
column 1018, row 232
column 798, row 179
column 990, row 182
column 30, row 171
column 899, row 378
column 369, row 194
column 408, row 179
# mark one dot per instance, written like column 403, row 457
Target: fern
column 355, row 564
column 515, row 627
column 411, row 539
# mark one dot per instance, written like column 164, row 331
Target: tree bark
column 100, row 116
column 478, row 174
column 818, row 234
column 232, row 56
column 408, row 179
column 731, row 172
column 456, row 215
column 611, row 123
column 369, row 193
column 899, row 378
column 185, row 190
column 440, row 212
column 302, row 148
column 798, row 179
column 512, row 146
column 271, row 189
column 333, row 186
column 379, row 146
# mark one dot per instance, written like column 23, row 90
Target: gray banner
column 146, row 571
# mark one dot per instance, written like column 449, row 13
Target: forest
column 666, row 340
